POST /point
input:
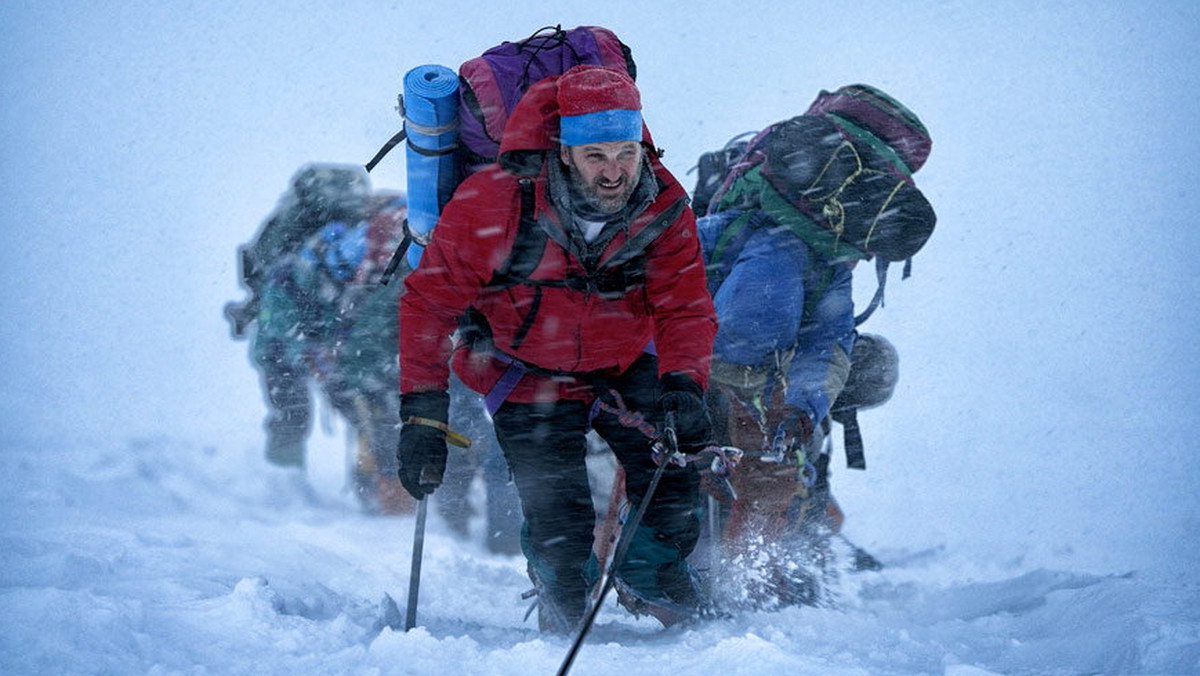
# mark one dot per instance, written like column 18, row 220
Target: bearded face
column 606, row 174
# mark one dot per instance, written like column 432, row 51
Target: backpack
column 387, row 211
column 318, row 193
column 845, row 167
column 489, row 87
column 334, row 269
column 712, row 168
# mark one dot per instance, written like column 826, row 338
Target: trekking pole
column 414, row 576
column 714, row 530
column 623, row 544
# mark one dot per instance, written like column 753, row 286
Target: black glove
column 422, row 451
column 684, row 397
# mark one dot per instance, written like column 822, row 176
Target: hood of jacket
column 532, row 130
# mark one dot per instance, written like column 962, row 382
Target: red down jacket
column 573, row 331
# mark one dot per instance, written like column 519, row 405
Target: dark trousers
column 285, row 386
column 546, row 448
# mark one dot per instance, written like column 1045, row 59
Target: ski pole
column 623, row 544
column 714, row 530
column 414, row 576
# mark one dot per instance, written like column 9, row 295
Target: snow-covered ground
column 162, row 557
column 1032, row 486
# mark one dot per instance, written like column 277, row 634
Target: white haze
column 1040, row 452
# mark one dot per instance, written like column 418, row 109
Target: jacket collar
column 563, row 198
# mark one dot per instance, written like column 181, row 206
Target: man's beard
column 594, row 201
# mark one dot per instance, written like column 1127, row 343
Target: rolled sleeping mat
column 431, row 121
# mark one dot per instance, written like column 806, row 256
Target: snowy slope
column 1033, row 483
column 160, row 557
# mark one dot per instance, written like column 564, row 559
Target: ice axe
column 389, row 614
column 430, row 478
column 414, row 576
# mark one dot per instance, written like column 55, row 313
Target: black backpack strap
column 530, row 243
column 408, row 240
column 387, row 148
column 637, row 244
column 851, row 438
column 528, row 246
column 881, row 270
column 397, row 256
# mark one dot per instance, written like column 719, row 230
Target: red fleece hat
column 597, row 105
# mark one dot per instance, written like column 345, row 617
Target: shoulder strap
column 881, row 267
column 852, row 439
column 637, row 244
column 881, row 270
column 528, row 246
column 530, row 242
column 731, row 236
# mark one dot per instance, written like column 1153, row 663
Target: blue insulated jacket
column 775, row 297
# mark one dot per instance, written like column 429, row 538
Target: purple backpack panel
column 880, row 115
column 491, row 84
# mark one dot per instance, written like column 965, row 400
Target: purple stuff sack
column 491, row 84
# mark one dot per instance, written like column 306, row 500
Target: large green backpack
column 839, row 177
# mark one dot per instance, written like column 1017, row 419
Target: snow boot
column 559, row 613
column 655, row 579
column 561, row 589
column 684, row 603
column 560, row 608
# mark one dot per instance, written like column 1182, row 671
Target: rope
column 722, row 459
column 627, row 417
column 882, row 208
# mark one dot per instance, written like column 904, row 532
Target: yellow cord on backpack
column 451, row 436
column 882, row 208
